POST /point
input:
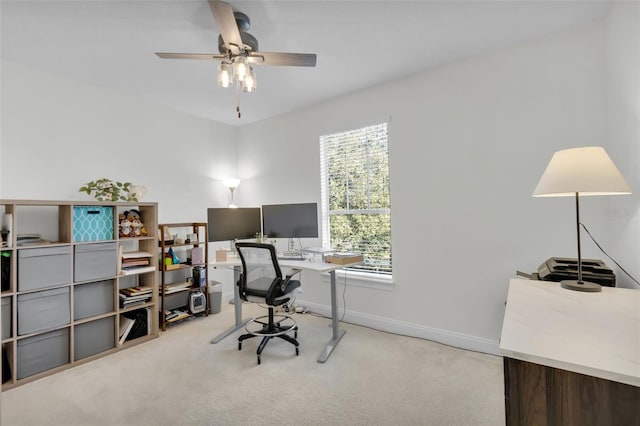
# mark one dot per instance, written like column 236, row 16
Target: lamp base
column 581, row 286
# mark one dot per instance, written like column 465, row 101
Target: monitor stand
column 292, row 252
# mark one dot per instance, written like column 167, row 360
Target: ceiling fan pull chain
column 238, row 99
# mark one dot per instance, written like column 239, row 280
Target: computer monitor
column 228, row 224
column 290, row 220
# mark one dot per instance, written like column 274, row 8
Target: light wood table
column 571, row 358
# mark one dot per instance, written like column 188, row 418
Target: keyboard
column 290, row 257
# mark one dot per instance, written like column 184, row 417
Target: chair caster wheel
column 297, row 351
column 259, row 360
column 239, row 346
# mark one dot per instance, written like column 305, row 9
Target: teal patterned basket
column 92, row 223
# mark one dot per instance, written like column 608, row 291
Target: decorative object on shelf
column 138, row 190
column 575, row 172
column 232, row 184
column 7, row 225
column 104, row 189
column 174, row 258
column 130, row 224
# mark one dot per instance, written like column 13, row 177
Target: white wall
column 623, row 134
column 58, row 134
column 468, row 143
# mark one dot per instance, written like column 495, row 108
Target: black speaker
column 6, row 368
column 5, row 266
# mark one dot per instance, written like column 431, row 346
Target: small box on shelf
column 92, row 223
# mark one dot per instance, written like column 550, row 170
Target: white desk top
column 597, row 334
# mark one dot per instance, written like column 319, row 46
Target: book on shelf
column 133, row 270
column 126, row 324
column 176, row 287
column 130, row 299
column 176, row 315
column 135, row 254
column 135, row 261
column 124, row 304
column 136, row 291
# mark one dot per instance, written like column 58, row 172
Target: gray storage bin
column 43, row 267
column 43, row 310
column 95, row 261
column 42, row 352
column 6, row 318
column 93, row 337
column 92, row 299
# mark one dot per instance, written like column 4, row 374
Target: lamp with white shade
column 232, row 184
column 581, row 172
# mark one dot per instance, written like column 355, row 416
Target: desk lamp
column 575, row 172
column 232, row 184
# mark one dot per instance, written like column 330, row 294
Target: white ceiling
column 359, row 44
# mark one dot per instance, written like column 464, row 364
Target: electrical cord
column 344, row 299
column 344, row 304
column 606, row 254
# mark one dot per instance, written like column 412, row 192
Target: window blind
column 356, row 195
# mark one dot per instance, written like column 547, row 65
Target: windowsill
column 362, row 279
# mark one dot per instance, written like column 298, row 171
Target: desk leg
column 237, row 306
column 337, row 333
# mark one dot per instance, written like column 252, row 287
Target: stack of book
column 136, row 262
column 132, row 296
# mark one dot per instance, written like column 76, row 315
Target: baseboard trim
column 449, row 338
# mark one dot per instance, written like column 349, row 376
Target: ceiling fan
column 239, row 51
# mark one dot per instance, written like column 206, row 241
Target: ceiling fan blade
column 226, row 22
column 207, row 56
column 286, row 59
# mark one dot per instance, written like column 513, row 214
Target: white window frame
column 362, row 278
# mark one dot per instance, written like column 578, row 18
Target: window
column 356, row 202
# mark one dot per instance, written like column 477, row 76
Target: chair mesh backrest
column 258, row 266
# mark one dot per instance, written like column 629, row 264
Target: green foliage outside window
column 358, row 192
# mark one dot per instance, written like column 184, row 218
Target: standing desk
column 304, row 265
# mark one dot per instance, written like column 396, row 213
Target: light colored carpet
column 372, row 378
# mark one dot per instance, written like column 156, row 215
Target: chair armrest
column 292, row 273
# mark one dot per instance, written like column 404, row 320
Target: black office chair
column 261, row 281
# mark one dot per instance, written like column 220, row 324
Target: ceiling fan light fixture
column 225, row 75
column 249, row 84
column 240, row 67
column 238, row 49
